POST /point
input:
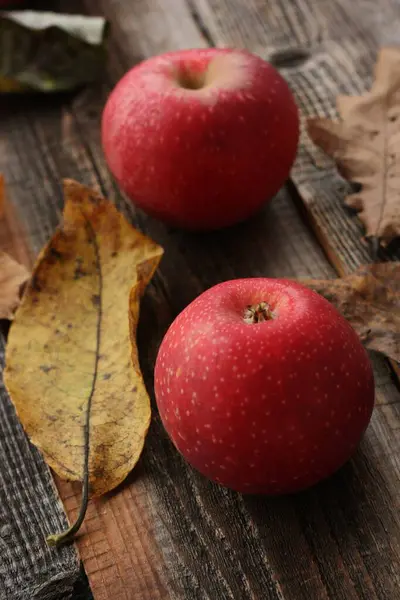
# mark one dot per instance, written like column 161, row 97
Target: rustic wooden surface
column 168, row 533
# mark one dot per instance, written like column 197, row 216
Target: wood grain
column 167, row 532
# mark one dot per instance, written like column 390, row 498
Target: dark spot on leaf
column 46, row 368
column 95, row 299
column 57, row 331
column 97, row 472
column 79, row 272
column 114, row 254
column 56, row 254
column 134, row 389
column 106, row 376
column 69, row 326
column 393, row 118
column 35, row 284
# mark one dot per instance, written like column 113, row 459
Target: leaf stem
column 58, row 539
column 67, row 536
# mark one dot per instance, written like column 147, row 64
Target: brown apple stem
column 190, row 80
column 257, row 313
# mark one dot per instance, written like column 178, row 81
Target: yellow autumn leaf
column 72, row 364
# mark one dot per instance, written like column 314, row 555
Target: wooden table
column 168, row 533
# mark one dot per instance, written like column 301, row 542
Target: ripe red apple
column 201, row 138
column 263, row 386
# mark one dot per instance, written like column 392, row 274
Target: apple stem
column 190, row 80
column 257, row 313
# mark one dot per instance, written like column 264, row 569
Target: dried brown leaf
column 13, row 237
column 369, row 299
column 365, row 144
column 13, row 276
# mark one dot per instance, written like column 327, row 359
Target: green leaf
column 48, row 52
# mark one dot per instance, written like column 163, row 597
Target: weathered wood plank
column 168, row 532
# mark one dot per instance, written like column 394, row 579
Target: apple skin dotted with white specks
column 201, row 158
column 278, row 428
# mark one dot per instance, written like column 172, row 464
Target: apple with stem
column 201, row 138
column 263, row 386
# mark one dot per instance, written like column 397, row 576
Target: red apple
column 201, row 138
column 263, row 386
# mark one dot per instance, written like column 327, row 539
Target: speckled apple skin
column 270, row 407
column 203, row 158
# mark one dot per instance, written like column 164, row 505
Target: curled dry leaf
column 13, row 276
column 366, row 147
column 72, row 366
column 370, row 300
column 13, row 237
column 49, row 52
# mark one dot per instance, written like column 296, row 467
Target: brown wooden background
column 167, row 532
